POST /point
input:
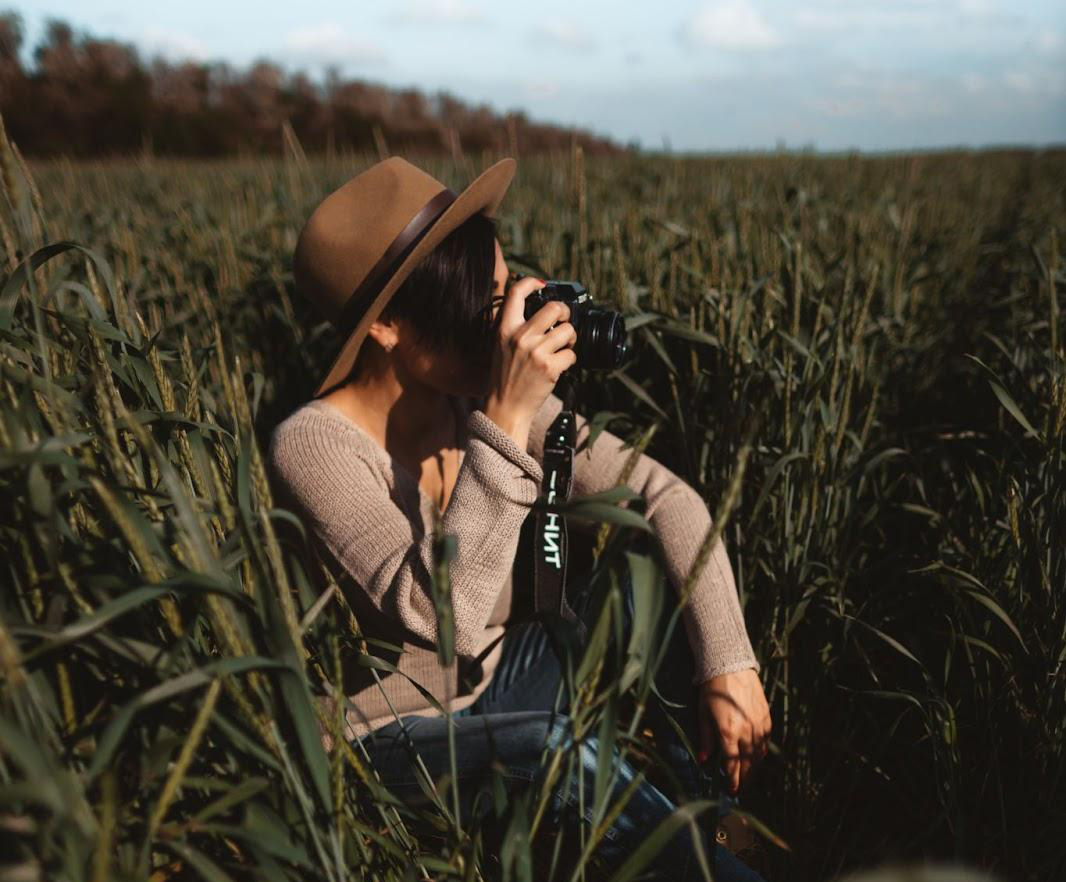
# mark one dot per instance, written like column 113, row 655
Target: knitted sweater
column 372, row 525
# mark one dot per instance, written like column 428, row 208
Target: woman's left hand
column 737, row 705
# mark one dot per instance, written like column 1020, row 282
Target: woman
column 437, row 405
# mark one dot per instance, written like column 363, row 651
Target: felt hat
column 365, row 237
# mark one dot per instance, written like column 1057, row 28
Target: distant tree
column 12, row 78
column 87, row 96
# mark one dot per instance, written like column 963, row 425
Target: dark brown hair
column 444, row 298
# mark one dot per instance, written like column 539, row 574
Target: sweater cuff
column 734, row 653
column 717, row 669
column 480, row 424
column 720, row 649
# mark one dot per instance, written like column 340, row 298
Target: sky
column 703, row 75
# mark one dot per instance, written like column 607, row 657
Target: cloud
column 1048, row 41
column 905, row 15
column 541, row 89
column 173, row 45
column 567, row 34
column 977, row 7
column 729, row 24
column 329, row 43
column 881, row 94
column 438, row 12
column 1036, row 81
column 1019, row 80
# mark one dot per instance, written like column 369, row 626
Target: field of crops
column 858, row 362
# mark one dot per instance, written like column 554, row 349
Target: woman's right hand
column 527, row 359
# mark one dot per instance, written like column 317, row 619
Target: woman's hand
column 737, row 705
column 528, row 358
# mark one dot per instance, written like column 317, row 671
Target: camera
column 602, row 342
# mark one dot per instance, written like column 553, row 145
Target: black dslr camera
column 601, row 333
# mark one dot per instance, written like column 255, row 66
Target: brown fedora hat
column 365, row 237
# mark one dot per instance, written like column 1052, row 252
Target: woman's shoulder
column 314, row 434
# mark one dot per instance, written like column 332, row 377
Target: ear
column 385, row 334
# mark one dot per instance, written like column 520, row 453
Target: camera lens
column 601, row 343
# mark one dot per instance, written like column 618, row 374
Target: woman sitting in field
column 437, row 405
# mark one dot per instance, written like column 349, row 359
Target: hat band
column 385, row 268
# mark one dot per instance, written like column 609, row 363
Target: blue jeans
column 513, row 720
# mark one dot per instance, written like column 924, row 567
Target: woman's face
column 462, row 374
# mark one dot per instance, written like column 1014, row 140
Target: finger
column 550, row 314
column 747, row 750
column 762, row 747
column 732, row 771
column 706, row 742
column 512, row 313
column 561, row 361
column 745, row 766
column 563, row 334
column 766, row 729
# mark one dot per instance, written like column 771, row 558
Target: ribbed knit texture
column 372, row 524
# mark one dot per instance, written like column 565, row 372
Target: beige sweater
column 372, row 524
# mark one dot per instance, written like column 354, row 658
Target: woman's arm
column 347, row 504
column 712, row 618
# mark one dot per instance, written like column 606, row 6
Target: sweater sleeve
column 713, row 618
column 349, row 508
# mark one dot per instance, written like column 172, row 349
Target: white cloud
column 866, row 18
column 1048, row 41
column 916, row 15
column 973, row 83
column 329, row 43
column 977, row 7
column 173, row 45
column 541, row 89
column 729, row 24
column 415, row 12
column 1019, row 80
column 881, row 94
column 567, row 34
column 1036, row 81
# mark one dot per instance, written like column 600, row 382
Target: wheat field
column 857, row 361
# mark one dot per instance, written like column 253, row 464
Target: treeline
column 86, row 96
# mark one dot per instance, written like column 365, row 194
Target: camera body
column 602, row 342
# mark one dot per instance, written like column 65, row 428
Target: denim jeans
column 513, row 720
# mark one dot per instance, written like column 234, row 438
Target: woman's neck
column 412, row 416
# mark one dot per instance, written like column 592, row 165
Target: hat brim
column 484, row 193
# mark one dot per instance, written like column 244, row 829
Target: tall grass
column 171, row 650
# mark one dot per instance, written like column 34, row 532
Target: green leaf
column 999, row 613
column 639, row 391
column 605, row 752
column 200, row 862
column 121, row 605
column 771, row 477
column 515, row 854
column 596, row 512
column 891, row 641
column 9, row 294
column 112, row 735
column 676, row 329
column 664, row 832
column 656, row 344
column 648, row 599
column 244, row 790
column 1013, row 409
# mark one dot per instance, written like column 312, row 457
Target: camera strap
column 550, row 542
